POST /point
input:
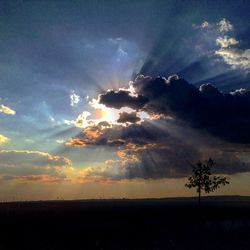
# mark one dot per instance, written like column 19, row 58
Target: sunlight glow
column 109, row 115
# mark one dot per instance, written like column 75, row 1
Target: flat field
column 173, row 223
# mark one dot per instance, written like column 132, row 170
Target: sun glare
column 109, row 115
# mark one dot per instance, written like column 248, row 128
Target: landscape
column 125, row 124
column 177, row 223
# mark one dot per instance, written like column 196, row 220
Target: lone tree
column 202, row 178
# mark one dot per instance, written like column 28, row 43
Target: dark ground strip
column 221, row 223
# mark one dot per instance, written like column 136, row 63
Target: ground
column 177, row 223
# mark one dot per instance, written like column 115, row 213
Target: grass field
column 174, row 223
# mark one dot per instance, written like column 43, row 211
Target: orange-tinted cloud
column 24, row 165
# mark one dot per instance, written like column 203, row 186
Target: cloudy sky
column 104, row 99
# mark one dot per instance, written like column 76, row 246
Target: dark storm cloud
column 228, row 81
column 116, row 135
column 122, row 98
column 189, row 124
column 174, row 162
column 223, row 115
column 128, row 117
column 159, row 149
column 161, row 161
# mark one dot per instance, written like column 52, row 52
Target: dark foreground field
column 222, row 223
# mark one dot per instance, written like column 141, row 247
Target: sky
column 115, row 99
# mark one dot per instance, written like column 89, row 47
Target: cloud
column 239, row 92
column 151, row 151
column 128, row 117
column 60, row 141
column 155, row 161
column 206, row 108
column 7, row 110
column 230, row 49
column 204, row 25
column 226, row 41
column 97, row 135
column 74, row 99
column 224, row 25
column 185, row 124
column 81, row 120
column 232, row 53
column 235, row 57
column 221, row 26
column 3, row 139
column 24, row 165
column 121, row 98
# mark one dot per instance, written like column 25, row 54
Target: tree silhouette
column 203, row 180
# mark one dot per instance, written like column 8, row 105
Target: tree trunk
column 199, row 198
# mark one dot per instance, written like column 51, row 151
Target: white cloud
column 74, row 99
column 226, row 41
column 69, row 122
column 239, row 92
column 224, row 25
column 81, row 121
column 236, row 57
column 60, row 141
column 232, row 53
column 229, row 49
column 203, row 25
column 7, row 110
